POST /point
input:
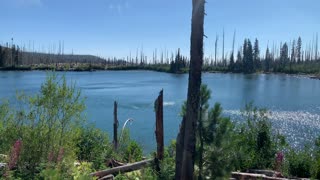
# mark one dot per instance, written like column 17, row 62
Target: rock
column 3, row 165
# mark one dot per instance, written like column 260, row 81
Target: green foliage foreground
column 46, row 136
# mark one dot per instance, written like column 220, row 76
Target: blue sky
column 118, row 27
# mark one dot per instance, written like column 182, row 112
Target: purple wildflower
column 50, row 157
column 60, row 155
column 15, row 153
column 279, row 160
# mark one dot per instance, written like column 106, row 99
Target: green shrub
column 133, row 152
column 94, row 146
column 299, row 163
column 257, row 144
column 167, row 165
column 219, row 147
column 47, row 124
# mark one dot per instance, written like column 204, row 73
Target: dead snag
column 186, row 140
column 158, row 105
column 115, row 125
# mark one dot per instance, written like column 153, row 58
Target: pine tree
column 1, row 57
column 268, row 60
column 293, row 52
column 298, row 50
column 284, row 56
column 248, row 57
column 245, row 56
column 256, row 55
column 293, row 56
column 231, row 65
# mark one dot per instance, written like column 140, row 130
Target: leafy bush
column 299, row 163
column 47, row 125
column 256, row 141
column 94, row 146
column 133, row 152
column 82, row 171
column 167, row 165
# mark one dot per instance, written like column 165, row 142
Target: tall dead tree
column 233, row 41
column 186, row 140
column 158, row 105
column 115, row 125
column 223, row 60
column 215, row 50
column 316, row 48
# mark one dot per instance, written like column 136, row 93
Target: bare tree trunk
column 215, row 51
column 233, row 41
column 159, row 128
column 316, row 48
column 223, row 62
column 186, row 140
column 115, row 125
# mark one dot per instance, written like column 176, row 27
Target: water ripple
column 300, row 127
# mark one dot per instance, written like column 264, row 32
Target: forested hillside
column 14, row 56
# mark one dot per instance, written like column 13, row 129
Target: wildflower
column 60, row 155
column 14, row 156
column 279, row 160
column 50, row 157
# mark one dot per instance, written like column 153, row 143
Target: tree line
column 14, row 56
column 290, row 58
column 286, row 57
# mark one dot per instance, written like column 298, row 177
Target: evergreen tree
column 284, row 57
column 256, row 55
column 231, row 65
column 238, row 66
column 16, row 56
column 268, row 60
column 245, row 58
column 293, row 52
column 293, row 57
column 1, row 57
column 248, row 57
column 298, row 50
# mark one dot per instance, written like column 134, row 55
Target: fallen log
column 109, row 177
column 114, row 163
column 269, row 173
column 244, row 176
column 123, row 169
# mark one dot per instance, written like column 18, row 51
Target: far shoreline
column 163, row 69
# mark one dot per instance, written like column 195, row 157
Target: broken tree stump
column 115, row 125
column 158, row 105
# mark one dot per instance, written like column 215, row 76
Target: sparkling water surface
column 294, row 101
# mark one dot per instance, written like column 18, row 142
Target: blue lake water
column 293, row 100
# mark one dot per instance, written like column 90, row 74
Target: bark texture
column 158, row 105
column 186, row 140
column 115, row 125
